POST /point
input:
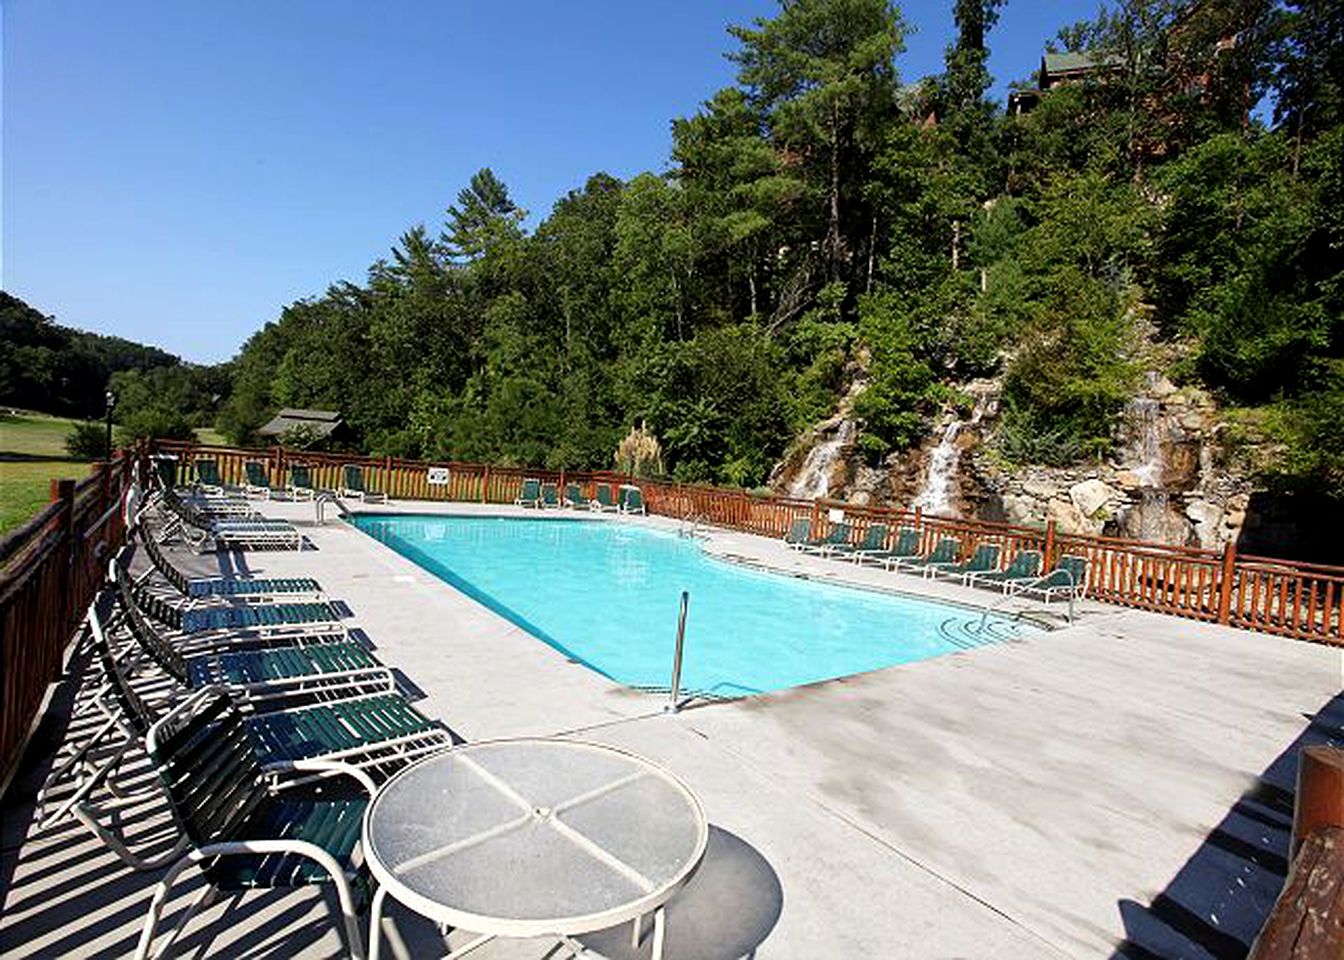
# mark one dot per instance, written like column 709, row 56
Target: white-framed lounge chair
column 529, row 493
column 905, row 547
column 945, row 551
column 379, row 733
column 1025, row 566
column 874, row 539
column 249, row 590
column 631, row 499
column 550, row 496
column 602, row 501
column 256, row 533
column 208, row 478
column 799, row 533
column 353, row 485
column 983, row 560
column 574, row 497
column 1068, row 579
column 258, row 482
column 242, row 834
column 838, row 535
column 301, row 482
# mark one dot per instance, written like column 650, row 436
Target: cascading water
column 818, row 469
column 936, row 495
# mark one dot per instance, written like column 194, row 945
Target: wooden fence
column 50, row 569
column 1298, row 600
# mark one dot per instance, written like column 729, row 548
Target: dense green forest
column 1181, row 205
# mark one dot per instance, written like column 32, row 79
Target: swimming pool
column 606, row 593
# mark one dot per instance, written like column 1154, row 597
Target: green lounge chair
column 529, row 494
column 907, row 546
column 250, row 534
column 302, row 667
column 258, row 480
column 631, row 499
column 574, row 497
column 242, row 831
column 301, row 482
column 550, row 496
column 985, row 559
column 602, row 500
column 208, row 478
column 201, row 588
column 798, row 533
column 353, row 486
column 838, row 535
column 1025, row 565
column 874, row 539
column 378, row 733
column 944, row 552
column 1068, row 579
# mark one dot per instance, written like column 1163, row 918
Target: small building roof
column 321, row 422
column 1064, row 66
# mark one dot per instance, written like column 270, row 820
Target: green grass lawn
column 25, row 487
column 32, row 452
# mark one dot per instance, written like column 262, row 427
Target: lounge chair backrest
column 573, row 493
column 945, row 551
column 161, row 563
column 550, row 493
column 134, row 710
column 151, row 641
column 529, row 491
column 839, row 533
column 603, row 495
column 300, row 476
column 1027, row 563
column 986, row 557
column 874, row 537
column 632, row 499
column 207, row 472
column 354, row 478
column 256, row 474
column 209, row 768
column 165, row 469
column 799, row 530
column 907, row 541
column 1074, row 570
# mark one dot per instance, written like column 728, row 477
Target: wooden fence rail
column 1298, row 600
column 49, row 571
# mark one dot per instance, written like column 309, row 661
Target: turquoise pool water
column 606, row 593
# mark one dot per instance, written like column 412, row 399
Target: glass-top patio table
column 533, row 838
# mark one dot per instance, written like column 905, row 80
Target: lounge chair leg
column 636, row 929
column 156, row 906
column 376, row 923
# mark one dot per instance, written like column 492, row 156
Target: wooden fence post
column 63, row 491
column 1048, row 552
column 1320, row 792
column 485, row 484
column 1227, row 582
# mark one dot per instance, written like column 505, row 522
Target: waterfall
column 814, row 477
column 1143, row 413
column 936, row 495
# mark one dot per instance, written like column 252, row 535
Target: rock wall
column 1168, row 480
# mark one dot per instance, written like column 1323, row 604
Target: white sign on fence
column 835, row 515
column 438, row 476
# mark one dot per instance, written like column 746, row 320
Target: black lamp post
column 111, row 402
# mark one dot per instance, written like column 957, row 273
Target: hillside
column 831, row 247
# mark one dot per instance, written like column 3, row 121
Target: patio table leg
column 659, row 933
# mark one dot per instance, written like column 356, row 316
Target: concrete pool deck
column 1118, row 786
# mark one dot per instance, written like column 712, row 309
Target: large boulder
column 1069, row 519
column 1091, row 498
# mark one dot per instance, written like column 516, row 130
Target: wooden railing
column 49, row 571
column 1284, row 597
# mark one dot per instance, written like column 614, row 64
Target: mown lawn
column 32, row 452
column 25, row 487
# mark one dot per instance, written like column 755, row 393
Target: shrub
column 88, row 441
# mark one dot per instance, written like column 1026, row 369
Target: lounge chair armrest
column 317, row 765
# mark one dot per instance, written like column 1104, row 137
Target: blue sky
column 176, row 172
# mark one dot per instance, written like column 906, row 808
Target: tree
column 823, row 72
